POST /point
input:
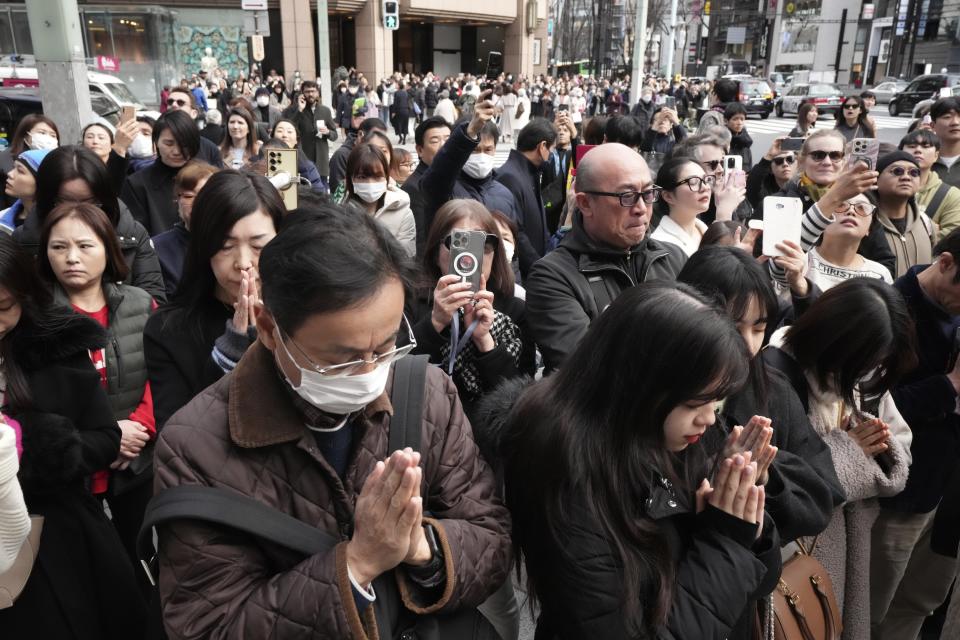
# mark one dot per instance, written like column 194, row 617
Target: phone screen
column 792, row 144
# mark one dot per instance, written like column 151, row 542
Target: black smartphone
column 466, row 255
column 563, row 107
column 792, row 144
column 494, row 65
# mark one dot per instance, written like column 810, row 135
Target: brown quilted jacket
column 243, row 433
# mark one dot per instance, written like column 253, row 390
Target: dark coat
column 317, row 149
column 149, row 194
column 928, row 400
column 445, row 180
column 135, row 245
column 740, row 145
column 179, row 355
column 643, row 111
column 430, row 96
column 401, row 104
column 720, row 570
column 522, row 178
column 418, row 203
column 874, row 246
column 338, row 162
column 245, row 434
column 662, row 142
column 82, row 585
column 213, row 133
column 171, row 248
column 760, row 184
column 563, row 286
column 210, row 153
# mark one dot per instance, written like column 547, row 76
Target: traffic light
column 391, row 14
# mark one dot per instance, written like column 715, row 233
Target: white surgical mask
column 370, row 192
column 478, row 165
column 141, row 147
column 263, row 100
column 42, row 141
column 338, row 395
column 508, row 249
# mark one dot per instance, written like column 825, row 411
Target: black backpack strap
column 937, row 199
column 409, row 382
column 231, row 509
column 601, row 292
column 779, row 360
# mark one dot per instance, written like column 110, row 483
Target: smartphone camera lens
column 465, row 265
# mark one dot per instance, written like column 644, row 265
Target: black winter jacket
column 760, row 184
column 740, row 145
column 927, row 400
column 523, row 180
column 149, row 194
column 720, row 570
column 171, row 247
column 874, row 246
column 418, row 203
column 571, row 286
column 82, row 585
column 338, row 161
column 135, row 244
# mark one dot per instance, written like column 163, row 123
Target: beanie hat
column 32, row 159
column 896, row 156
column 261, row 91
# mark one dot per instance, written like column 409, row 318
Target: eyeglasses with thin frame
column 899, row 171
column 176, row 101
column 860, row 209
column 820, row 155
column 696, row 183
column 631, row 198
column 784, row 160
column 356, row 366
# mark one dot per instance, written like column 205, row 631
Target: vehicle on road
column 926, row 87
column 886, row 91
column 15, row 103
column 924, row 105
column 827, row 97
column 756, row 95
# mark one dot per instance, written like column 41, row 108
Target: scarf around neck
column 813, row 190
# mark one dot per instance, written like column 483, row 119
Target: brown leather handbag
column 804, row 603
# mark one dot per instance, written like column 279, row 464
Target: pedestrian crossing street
column 783, row 126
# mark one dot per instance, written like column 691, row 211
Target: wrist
column 438, row 322
column 422, row 555
column 361, row 572
column 800, row 288
column 485, row 343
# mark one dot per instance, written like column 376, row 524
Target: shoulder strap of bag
column 409, row 382
column 938, row 196
column 232, row 509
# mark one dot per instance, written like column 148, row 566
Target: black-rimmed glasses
column 631, row 198
column 696, row 183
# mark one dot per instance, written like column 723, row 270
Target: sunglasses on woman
column 820, row 156
column 851, row 106
column 696, row 183
column 899, row 171
column 489, row 245
column 788, row 160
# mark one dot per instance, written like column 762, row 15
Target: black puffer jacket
column 571, row 286
column 135, row 244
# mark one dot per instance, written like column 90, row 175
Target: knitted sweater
column 14, row 520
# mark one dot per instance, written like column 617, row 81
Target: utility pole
column 61, row 67
column 639, row 49
column 671, row 43
column 843, row 29
column 323, row 48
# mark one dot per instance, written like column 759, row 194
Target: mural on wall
column 228, row 48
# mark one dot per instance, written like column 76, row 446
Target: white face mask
column 141, row 147
column 42, row 141
column 508, row 249
column 263, row 100
column 478, row 165
column 341, row 395
column 370, row 192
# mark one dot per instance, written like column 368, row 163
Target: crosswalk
column 782, row 126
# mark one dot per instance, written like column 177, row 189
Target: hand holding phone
column 466, row 256
column 864, row 151
column 782, row 217
column 732, row 162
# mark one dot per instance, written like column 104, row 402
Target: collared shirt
column 670, row 231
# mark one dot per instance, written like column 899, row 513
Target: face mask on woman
column 141, row 147
column 370, row 192
column 478, row 165
column 263, row 100
column 42, row 141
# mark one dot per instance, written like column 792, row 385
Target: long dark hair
column 802, row 114
column 19, row 141
column 668, row 177
column 40, row 318
column 226, row 198
column 734, row 279
column 115, row 269
column 861, row 119
column 591, row 436
column 855, row 328
column 69, row 163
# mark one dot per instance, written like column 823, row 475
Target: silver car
column 885, row 91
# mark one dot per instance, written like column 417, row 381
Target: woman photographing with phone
column 612, row 492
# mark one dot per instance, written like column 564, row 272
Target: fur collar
column 35, row 347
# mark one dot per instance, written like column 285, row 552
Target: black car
column 15, row 103
column 922, row 88
column 756, row 95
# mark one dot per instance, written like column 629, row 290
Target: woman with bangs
column 624, row 530
column 499, row 346
column 370, row 188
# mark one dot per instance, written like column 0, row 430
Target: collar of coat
column 261, row 412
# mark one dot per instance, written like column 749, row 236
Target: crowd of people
column 632, row 410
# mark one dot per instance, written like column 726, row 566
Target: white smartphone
column 732, row 162
column 782, row 218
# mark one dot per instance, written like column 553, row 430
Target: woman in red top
column 81, row 257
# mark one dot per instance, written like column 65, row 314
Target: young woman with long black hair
column 209, row 324
column 82, row 584
column 620, row 530
column 843, row 355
